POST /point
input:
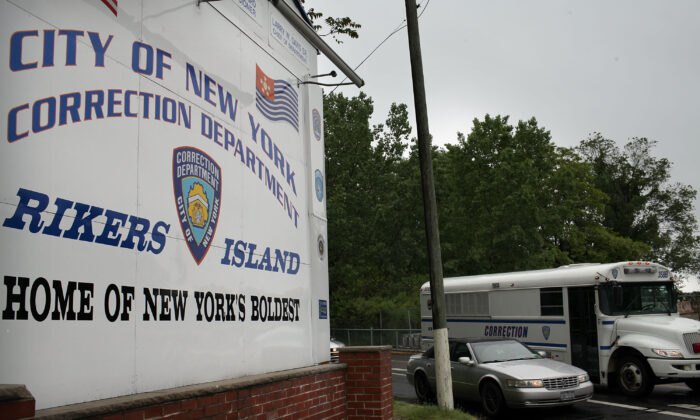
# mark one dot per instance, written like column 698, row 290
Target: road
column 670, row 401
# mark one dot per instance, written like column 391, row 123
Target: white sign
column 157, row 201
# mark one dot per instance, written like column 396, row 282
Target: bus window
column 637, row 298
column 551, row 301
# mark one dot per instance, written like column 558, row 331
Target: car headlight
column 672, row 354
column 524, row 383
column 583, row 378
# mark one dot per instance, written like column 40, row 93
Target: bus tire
column 492, row 401
column 693, row 384
column 422, row 388
column 634, row 377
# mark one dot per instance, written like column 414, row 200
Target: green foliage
column 334, row 26
column 406, row 411
column 374, row 229
column 643, row 205
column 508, row 200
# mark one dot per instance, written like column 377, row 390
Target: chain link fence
column 399, row 328
column 400, row 339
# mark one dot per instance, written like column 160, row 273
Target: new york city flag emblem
column 197, row 187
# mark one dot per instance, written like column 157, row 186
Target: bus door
column 583, row 330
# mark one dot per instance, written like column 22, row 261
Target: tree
column 374, row 228
column 333, row 26
column 643, row 205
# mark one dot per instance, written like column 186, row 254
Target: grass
column 406, row 411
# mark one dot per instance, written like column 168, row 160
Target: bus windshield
column 636, row 298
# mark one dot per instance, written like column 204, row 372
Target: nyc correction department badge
column 197, row 188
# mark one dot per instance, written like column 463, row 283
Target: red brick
column 154, row 411
column 187, row 405
column 135, row 415
column 171, row 408
column 204, row 401
column 220, row 398
column 17, row 409
column 212, row 410
column 178, row 416
column 113, row 417
column 231, row 396
column 197, row 413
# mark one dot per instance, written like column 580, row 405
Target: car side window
column 460, row 350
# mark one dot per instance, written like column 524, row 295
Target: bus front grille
column 690, row 339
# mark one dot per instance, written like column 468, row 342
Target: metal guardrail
column 400, row 339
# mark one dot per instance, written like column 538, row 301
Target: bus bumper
column 675, row 368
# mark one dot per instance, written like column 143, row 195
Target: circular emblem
column 321, row 246
column 317, row 124
column 319, row 185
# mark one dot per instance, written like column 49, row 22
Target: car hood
column 533, row 369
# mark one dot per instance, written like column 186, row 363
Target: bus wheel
column 693, row 384
column 634, row 377
column 422, row 388
column 492, row 400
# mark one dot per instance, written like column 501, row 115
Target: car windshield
column 502, row 351
column 636, row 298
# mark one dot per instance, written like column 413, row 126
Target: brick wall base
column 357, row 387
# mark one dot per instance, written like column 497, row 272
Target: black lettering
column 254, row 311
column 63, row 302
column 40, row 282
column 164, row 305
column 151, row 303
column 209, row 306
column 230, row 313
column 241, row 307
column 86, row 293
column 179, row 301
column 18, row 298
column 112, row 290
column 220, row 307
column 199, row 299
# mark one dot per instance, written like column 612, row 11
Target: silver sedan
column 501, row 374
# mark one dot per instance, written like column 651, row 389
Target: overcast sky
column 622, row 68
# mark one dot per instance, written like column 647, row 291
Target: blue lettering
column 16, row 40
column 66, row 108
column 36, row 114
column 251, row 251
column 100, row 49
column 136, row 58
column 112, row 102
column 24, row 208
column 196, row 86
column 12, row 134
column 49, row 42
column 71, row 42
column 238, row 254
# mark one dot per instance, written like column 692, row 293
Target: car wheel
column 422, row 387
column 634, row 377
column 492, row 400
column 694, row 384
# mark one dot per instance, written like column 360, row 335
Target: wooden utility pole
column 443, row 373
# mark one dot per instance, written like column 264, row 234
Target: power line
column 401, row 26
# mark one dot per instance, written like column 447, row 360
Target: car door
column 429, row 367
column 461, row 374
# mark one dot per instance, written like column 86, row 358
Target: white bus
column 617, row 321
